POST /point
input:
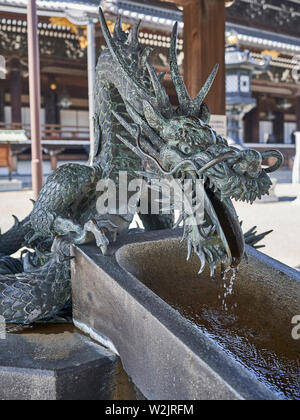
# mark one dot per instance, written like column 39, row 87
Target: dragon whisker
column 128, row 144
column 213, row 162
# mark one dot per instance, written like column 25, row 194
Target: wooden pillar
column 53, row 160
column 51, row 109
column 15, row 91
column 2, row 105
column 54, row 153
column 204, row 46
column 35, row 97
column 255, row 123
column 251, row 120
column 91, row 55
column 278, row 127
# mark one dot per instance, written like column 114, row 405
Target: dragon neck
column 111, row 92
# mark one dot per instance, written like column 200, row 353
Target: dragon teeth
column 212, row 267
column 209, row 254
column 189, row 250
column 201, row 255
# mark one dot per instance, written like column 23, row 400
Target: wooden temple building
column 265, row 27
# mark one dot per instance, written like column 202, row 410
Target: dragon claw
column 202, row 259
column 104, row 250
column 61, row 242
column 189, row 250
column 98, row 228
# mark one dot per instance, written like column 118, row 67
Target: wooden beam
column 184, row 3
column 204, row 46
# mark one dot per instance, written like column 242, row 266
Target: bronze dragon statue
column 137, row 130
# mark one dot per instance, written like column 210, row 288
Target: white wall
column 75, row 119
column 83, row 118
column 7, row 114
column 25, row 115
column 24, row 167
column 25, row 112
column 289, row 128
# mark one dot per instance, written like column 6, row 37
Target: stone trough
column 184, row 336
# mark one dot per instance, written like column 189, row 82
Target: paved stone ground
column 17, row 203
column 283, row 244
column 283, row 217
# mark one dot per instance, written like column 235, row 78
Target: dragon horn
column 130, row 77
column 182, row 93
column 186, row 105
column 109, row 40
column 130, row 146
column 133, row 37
column 197, row 102
column 132, row 131
column 145, row 55
column 151, row 134
column 128, row 127
column 147, row 150
column 160, row 93
column 118, row 31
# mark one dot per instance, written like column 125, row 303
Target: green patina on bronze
column 136, row 127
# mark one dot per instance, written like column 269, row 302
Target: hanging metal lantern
column 240, row 66
column 64, row 100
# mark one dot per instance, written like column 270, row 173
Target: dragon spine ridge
column 175, row 142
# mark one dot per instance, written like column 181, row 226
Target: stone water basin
column 184, row 336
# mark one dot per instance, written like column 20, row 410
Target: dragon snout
column 248, row 162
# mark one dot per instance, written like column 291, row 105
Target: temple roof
column 55, row 5
column 279, row 16
column 244, row 17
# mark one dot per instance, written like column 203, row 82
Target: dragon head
column 192, row 149
column 180, row 143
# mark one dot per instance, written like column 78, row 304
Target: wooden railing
column 52, row 131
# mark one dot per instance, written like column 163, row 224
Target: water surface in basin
column 249, row 318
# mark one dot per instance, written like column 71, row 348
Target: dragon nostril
column 240, row 168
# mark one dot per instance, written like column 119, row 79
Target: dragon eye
column 185, row 148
